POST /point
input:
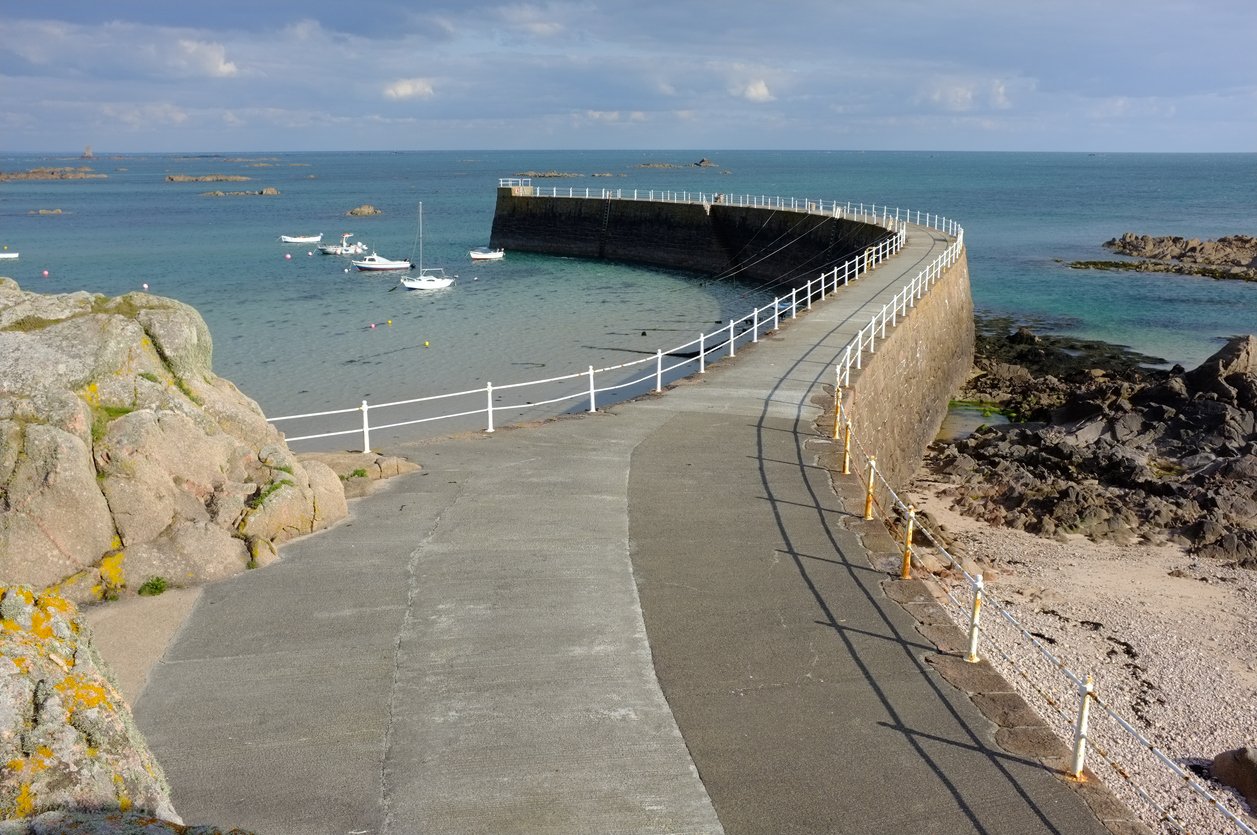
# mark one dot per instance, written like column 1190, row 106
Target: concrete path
column 470, row 653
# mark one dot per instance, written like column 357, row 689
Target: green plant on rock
column 152, row 587
column 262, row 495
column 102, row 416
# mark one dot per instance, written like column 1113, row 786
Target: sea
column 299, row 331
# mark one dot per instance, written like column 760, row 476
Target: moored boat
column 483, row 253
column 374, row 262
column 301, row 239
column 344, row 247
column 432, row 278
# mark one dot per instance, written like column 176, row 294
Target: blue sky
column 274, row 75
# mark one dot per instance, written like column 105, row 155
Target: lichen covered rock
column 121, row 453
column 67, row 739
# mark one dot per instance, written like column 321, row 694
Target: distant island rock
column 80, row 173
column 207, row 178
column 44, row 212
column 1230, row 257
column 548, row 175
column 364, row 210
column 269, row 191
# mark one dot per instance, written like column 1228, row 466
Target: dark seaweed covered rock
column 1111, row 449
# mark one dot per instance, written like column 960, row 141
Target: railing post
column 488, row 396
column 776, row 312
column 730, row 337
column 794, row 302
column 837, row 400
column 905, row 570
column 593, row 407
column 658, row 370
column 868, row 493
column 1080, row 730
column 702, row 353
column 846, row 447
column 974, row 617
column 755, row 325
column 366, row 428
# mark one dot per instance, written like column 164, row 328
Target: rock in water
column 123, row 457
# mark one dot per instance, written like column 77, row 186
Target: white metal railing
column 593, row 386
column 868, row 213
column 1135, row 764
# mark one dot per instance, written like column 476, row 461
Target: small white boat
column 7, row 254
column 379, row 263
column 429, row 278
column 483, row 253
column 300, row 239
column 344, row 247
column 432, row 278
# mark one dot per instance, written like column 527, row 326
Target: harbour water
column 300, row 331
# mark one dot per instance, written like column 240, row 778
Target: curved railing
column 592, row 387
column 882, row 215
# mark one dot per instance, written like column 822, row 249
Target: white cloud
column 756, row 91
column 609, row 117
column 410, row 88
column 200, row 58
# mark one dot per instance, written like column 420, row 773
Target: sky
column 276, row 75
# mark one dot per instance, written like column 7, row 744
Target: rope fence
column 1073, row 706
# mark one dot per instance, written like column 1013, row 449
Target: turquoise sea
column 295, row 333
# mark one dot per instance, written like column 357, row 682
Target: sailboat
column 429, row 278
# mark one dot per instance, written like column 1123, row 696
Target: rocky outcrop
column 80, row 173
column 206, row 178
column 73, row 759
column 357, row 472
column 1229, row 251
column 1233, row 257
column 1116, row 453
column 123, row 457
column 269, row 191
column 364, row 210
column 67, row 739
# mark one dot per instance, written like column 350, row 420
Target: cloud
column 199, row 58
column 756, row 91
column 410, row 88
column 612, row 116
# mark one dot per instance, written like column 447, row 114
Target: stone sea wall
column 897, row 402
column 715, row 239
column 900, row 397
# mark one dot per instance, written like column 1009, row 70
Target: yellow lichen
column 81, row 694
column 124, row 801
column 111, row 576
column 24, row 805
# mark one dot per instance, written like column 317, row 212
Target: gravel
column 1168, row 639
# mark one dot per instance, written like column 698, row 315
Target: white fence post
column 755, row 325
column 658, row 369
column 702, row 353
column 366, row 429
column 731, row 337
column 488, row 396
column 592, row 405
column 1080, row 730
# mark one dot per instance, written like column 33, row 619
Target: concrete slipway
column 656, row 618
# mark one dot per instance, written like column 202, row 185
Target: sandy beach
column 1167, row 637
